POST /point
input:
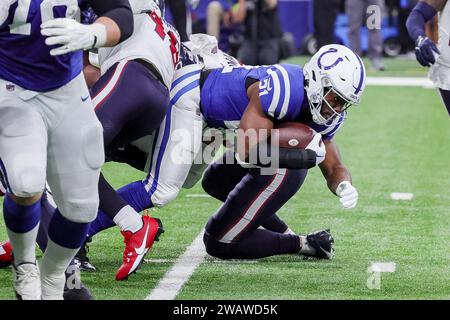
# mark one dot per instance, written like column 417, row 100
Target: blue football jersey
column 24, row 57
column 281, row 91
column 329, row 131
column 224, row 95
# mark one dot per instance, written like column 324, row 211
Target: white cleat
column 27, row 281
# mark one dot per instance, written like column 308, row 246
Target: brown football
column 292, row 135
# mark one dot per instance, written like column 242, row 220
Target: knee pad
column 27, row 182
column 80, row 210
column 163, row 195
column 93, row 150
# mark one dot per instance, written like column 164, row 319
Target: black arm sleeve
column 287, row 158
column 117, row 10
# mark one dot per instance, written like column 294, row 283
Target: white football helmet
column 334, row 68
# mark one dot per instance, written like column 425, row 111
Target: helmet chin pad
column 316, row 108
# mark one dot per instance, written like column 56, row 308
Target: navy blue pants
column 251, row 200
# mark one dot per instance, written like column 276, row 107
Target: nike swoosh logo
column 141, row 250
column 84, row 99
column 2, row 251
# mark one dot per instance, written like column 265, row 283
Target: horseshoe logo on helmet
column 331, row 50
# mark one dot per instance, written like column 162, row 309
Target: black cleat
column 82, row 260
column 322, row 243
column 74, row 289
column 82, row 293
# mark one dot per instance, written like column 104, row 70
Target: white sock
column 54, row 264
column 24, row 245
column 305, row 247
column 128, row 219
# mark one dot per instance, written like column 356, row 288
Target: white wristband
column 341, row 186
column 100, row 34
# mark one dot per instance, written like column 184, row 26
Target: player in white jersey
column 48, row 130
column 130, row 100
column 427, row 53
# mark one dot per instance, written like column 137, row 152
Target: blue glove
column 426, row 51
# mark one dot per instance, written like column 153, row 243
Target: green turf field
column 396, row 141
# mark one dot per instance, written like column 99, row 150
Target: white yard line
column 194, row 195
column 400, row 82
column 173, row 281
column 211, row 261
column 402, row 196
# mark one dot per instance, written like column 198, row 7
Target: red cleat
column 137, row 245
column 6, row 257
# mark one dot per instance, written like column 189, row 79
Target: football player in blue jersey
column 250, row 98
column 334, row 79
column 48, row 130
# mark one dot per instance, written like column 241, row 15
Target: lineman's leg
column 22, row 138
column 23, row 142
column 75, row 156
column 174, row 147
column 130, row 103
column 233, row 231
column 48, row 209
column 219, row 180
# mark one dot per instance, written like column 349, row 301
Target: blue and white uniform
column 24, row 57
column 47, row 124
column 220, row 103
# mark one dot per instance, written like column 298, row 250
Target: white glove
column 347, row 194
column 318, row 146
column 72, row 35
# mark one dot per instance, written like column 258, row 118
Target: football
column 292, row 135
